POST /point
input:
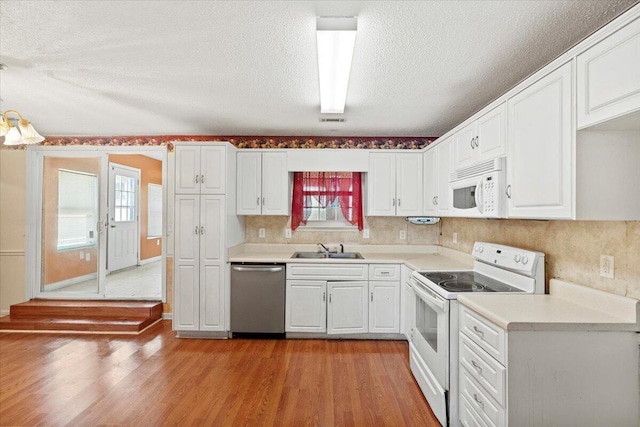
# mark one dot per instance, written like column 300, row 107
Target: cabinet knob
column 201, row 230
column 197, row 230
column 477, row 141
column 508, row 191
column 197, row 179
column 371, row 296
column 393, row 202
column 478, row 401
column 324, row 296
column 398, row 202
column 471, row 142
column 202, row 179
column 263, row 201
column 258, row 201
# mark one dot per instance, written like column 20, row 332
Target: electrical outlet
column 87, row 256
column 365, row 233
column 455, row 238
column 261, row 233
column 287, row 233
column 606, row 266
column 158, row 242
column 81, row 254
column 403, row 234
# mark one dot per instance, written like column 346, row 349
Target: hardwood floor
column 156, row 379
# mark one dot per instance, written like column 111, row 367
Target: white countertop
column 427, row 257
column 567, row 307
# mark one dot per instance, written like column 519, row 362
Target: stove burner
column 461, row 286
column 440, row 277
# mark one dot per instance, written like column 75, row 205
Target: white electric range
column 434, row 329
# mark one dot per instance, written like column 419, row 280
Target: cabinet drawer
column 487, row 335
column 468, row 416
column 384, row 271
column 327, row 272
column 483, row 368
column 489, row 410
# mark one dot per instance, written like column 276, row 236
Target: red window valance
column 322, row 188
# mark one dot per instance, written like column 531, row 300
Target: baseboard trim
column 168, row 316
column 202, row 334
column 150, row 260
column 371, row 336
column 69, row 282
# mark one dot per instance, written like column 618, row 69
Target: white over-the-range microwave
column 478, row 191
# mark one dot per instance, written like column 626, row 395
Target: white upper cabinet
column 262, row 183
column 608, row 77
column 200, row 170
column 483, row 139
column 394, row 185
column 540, row 145
column 437, row 167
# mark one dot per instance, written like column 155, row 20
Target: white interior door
column 123, row 235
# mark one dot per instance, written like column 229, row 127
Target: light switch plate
column 403, row 234
column 261, row 233
column 607, row 267
column 287, row 233
column 365, row 233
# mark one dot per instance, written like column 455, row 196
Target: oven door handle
column 479, row 197
column 426, row 297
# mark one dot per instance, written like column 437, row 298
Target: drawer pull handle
column 478, row 331
column 478, row 401
column 384, row 273
column 475, row 365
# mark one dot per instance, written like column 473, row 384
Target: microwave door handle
column 479, row 196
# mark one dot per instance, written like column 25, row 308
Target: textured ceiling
column 243, row 68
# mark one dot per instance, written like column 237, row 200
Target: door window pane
column 124, row 198
column 154, row 220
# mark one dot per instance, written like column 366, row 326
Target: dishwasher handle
column 258, row 269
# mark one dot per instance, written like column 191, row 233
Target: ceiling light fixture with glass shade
column 23, row 133
column 336, row 39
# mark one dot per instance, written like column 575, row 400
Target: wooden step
column 86, row 309
column 84, row 316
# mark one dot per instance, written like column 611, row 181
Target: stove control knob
column 477, row 248
column 525, row 260
column 481, row 249
column 516, row 258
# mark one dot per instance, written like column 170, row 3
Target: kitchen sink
column 327, row 255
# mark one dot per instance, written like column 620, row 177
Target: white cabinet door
column 540, row 143
column 347, row 308
column 384, row 307
column 248, row 182
column 187, row 170
column 212, row 211
column 464, row 146
column 306, row 306
column 608, row 77
column 430, row 187
column 409, row 184
column 186, row 263
column 213, row 170
column 275, row 184
column 381, row 185
column 491, row 134
column 444, row 194
column 212, row 297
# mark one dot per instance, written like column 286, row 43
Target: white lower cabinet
column 347, row 309
column 547, row 377
column 338, row 299
column 306, row 309
column 199, row 264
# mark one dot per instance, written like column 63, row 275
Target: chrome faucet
column 326, row 250
column 341, row 248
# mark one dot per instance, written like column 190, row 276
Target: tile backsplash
column 572, row 248
column 382, row 231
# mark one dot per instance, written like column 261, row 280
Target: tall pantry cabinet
column 205, row 227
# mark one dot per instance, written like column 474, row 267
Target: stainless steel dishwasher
column 257, row 298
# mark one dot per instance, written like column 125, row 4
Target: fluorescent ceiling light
column 336, row 41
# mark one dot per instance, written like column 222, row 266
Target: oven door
column 431, row 331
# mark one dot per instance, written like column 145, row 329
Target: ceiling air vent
column 331, row 120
